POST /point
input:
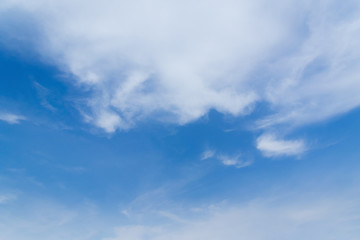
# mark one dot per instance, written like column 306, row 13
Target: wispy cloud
column 11, row 118
column 271, row 146
column 234, row 160
column 288, row 214
column 44, row 94
column 258, row 220
column 208, row 153
column 281, row 218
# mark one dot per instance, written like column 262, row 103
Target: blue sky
column 140, row 120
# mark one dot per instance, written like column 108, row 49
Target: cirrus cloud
column 11, row 118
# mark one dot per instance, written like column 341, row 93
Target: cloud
column 209, row 153
column 291, row 217
column 11, row 118
column 44, row 94
column 173, row 61
column 287, row 213
column 258, row 220
column 234, row 160
column 271, row 146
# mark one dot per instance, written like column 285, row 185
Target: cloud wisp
column 208, row 153
column 11, row 118
column 235, row 160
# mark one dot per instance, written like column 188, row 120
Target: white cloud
column 322, row 78
column 176, row 60
column 271, row 146
column 234, row 160
column 11, row 118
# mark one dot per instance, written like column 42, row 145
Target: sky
column 182, row 120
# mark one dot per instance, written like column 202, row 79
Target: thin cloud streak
column 11, row 118
column 209, row 153
column 234, row 160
